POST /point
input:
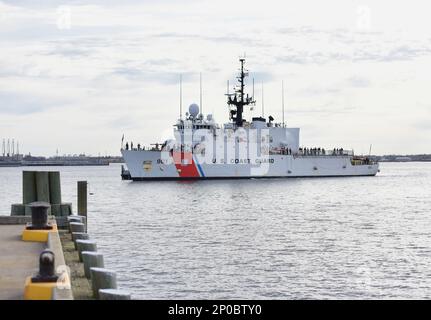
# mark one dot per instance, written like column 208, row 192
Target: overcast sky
column 76, row 75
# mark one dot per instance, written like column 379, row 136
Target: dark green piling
column 18, row 209
column 29, row 194
column 82, row 199
column 54, row 187
column 42, row 186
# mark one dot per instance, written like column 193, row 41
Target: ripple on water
column 358, row 238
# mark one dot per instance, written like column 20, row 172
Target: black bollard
column 39, row 216
column 46, row 268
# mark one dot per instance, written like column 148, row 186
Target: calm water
column 363, row 237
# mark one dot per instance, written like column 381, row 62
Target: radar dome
column 194, row 110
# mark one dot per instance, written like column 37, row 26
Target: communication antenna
column 13, row 146
column 263, row 104
column 227, row 88
column 17, row 147
column 200, row 92
column 239, row 98
column 8, row 147
column 282, row 101
column 181, row 96
column 253, row 89
column 370, row 149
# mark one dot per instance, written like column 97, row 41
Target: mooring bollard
column 102, row 279
column 40, row 286
column 113, row 294
column 46, row 268
column 76, row 227
column 85, row 245
column 91, row 259
column 39, row 216
column 79, row 236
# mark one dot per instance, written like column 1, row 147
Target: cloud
column 54, row 3
column 423, row 124
column 329, row 108
column 166, row 78
column 124, row 123
column 22, row 104
column 232, row 38
column 69, row 52
column 358, row 82
column 344, row 45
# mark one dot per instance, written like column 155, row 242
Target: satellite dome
column 194, row 110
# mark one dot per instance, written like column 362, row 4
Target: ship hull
column 146, row 165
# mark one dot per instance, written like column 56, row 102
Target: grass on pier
column 81, row 286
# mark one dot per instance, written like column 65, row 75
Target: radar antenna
column 238, row 99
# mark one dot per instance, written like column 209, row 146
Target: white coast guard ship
column 239, row 149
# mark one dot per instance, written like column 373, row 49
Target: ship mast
column 239, row 99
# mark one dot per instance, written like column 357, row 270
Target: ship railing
column 313, row 153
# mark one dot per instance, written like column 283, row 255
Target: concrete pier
column 18, row 260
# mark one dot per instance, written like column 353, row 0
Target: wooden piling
column 113, row 294
column 76, row 227
column 66, row 209
column 102, row 279
column 79, row 236
column 92, row 259
column 82, row 198
column 75, row 218
column 85, row 245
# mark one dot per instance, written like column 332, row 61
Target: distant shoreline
column 82, row 160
